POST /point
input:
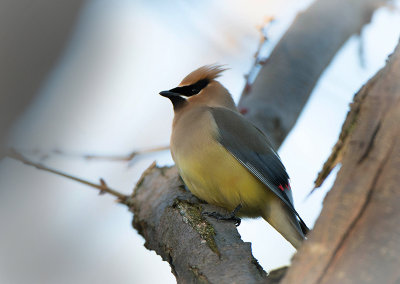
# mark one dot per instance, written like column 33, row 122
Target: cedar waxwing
column 225, row 160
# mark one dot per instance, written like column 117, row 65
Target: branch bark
column 356, row 238
column 199, row 249
column 280, row 91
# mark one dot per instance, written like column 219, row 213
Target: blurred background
column 82, row 77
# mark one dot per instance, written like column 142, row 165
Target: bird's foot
column 229, row 217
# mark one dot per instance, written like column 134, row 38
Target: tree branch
column 198, row 248
column 170, row 218
column 281, row 89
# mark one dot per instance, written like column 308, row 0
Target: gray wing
column 255, row 152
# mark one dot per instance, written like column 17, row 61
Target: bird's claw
column 229, row 217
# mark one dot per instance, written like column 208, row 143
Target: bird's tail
column 286, row 223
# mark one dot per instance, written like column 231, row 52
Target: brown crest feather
column 209, row 72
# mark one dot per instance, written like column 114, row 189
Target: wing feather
column 255, row 152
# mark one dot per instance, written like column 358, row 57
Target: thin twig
column 259, row 60
column 103, row 187
column 126, row 157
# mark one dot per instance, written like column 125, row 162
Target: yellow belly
column 214, row 175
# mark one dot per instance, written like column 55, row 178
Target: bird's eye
column 195, row 91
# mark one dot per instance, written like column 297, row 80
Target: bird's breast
column 210, row 172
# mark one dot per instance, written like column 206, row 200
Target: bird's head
column 199, row 86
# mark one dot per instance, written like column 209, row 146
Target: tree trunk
column 357, row 237
column 33, row 35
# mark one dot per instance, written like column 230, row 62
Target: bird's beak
column 169, row 94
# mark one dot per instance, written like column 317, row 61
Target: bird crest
column 207, row 72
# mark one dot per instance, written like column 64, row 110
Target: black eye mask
column 191, row 90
